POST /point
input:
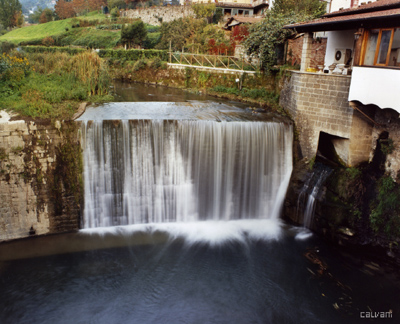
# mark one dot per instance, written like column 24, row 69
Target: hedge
column 129, row 55
column 52, row 49
column 134, row 54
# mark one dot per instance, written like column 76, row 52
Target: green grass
column 53, row 28
column 89, row 37
column 37, row 32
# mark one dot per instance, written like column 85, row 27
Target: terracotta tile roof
column 373, row 6
column 320, row 24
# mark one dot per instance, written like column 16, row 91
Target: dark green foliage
column 8, row 10
column 387, row 146
column 155, row 63
column 6, row 47
column 218, row 14
column 152, row 40
column 267, row 36
column 385, row 213
column 134, row 34
column 139, row 65
column 178, row 32
column 133, row 54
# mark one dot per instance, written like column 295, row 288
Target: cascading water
column 310, row 191
column 152, row 171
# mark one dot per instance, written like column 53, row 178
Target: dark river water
column 208, row 272
column 224, row 272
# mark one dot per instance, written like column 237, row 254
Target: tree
column 96, row 4
column 180, row 32
column 46, row 16
column 134, row 34
column 312, row 8
column 9, row 10
column 19, row 19
column 203, row 10
column 265, row 37
column 35, row 16
column 64, row 9
column 80, row 6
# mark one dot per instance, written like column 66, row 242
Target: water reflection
column 136, row 92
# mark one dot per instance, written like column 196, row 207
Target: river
column 174, row 238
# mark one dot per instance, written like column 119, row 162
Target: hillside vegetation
column 35, row 33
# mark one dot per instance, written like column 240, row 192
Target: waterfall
column 311, row 190
column 152, row 171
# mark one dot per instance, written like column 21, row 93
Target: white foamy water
column 209, row 232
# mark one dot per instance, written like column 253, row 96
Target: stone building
column 356, row 98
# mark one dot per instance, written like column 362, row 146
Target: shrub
column 133, row 34
column 114, row 14
column 6, row 47
column 139, row 65
column 48, row 41
column 155, row 63
column 91, row 70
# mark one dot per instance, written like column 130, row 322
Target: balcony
column 377, row 86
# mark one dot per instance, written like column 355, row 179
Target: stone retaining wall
column 33, row 193
column 157, row 15
column 319, row 103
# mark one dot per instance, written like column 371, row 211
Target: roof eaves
column 335, row 25
column 370, row 7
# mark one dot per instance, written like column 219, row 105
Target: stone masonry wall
column 157, row 15
column 33, row 191
column 319, row 103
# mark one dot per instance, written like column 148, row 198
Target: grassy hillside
column 37, row 32
column 53, row 28
column 93, row 30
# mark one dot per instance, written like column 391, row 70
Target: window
column 382, row 47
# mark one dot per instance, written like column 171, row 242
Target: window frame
column 378, row 44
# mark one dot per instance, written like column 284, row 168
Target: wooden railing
column 213, row 61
